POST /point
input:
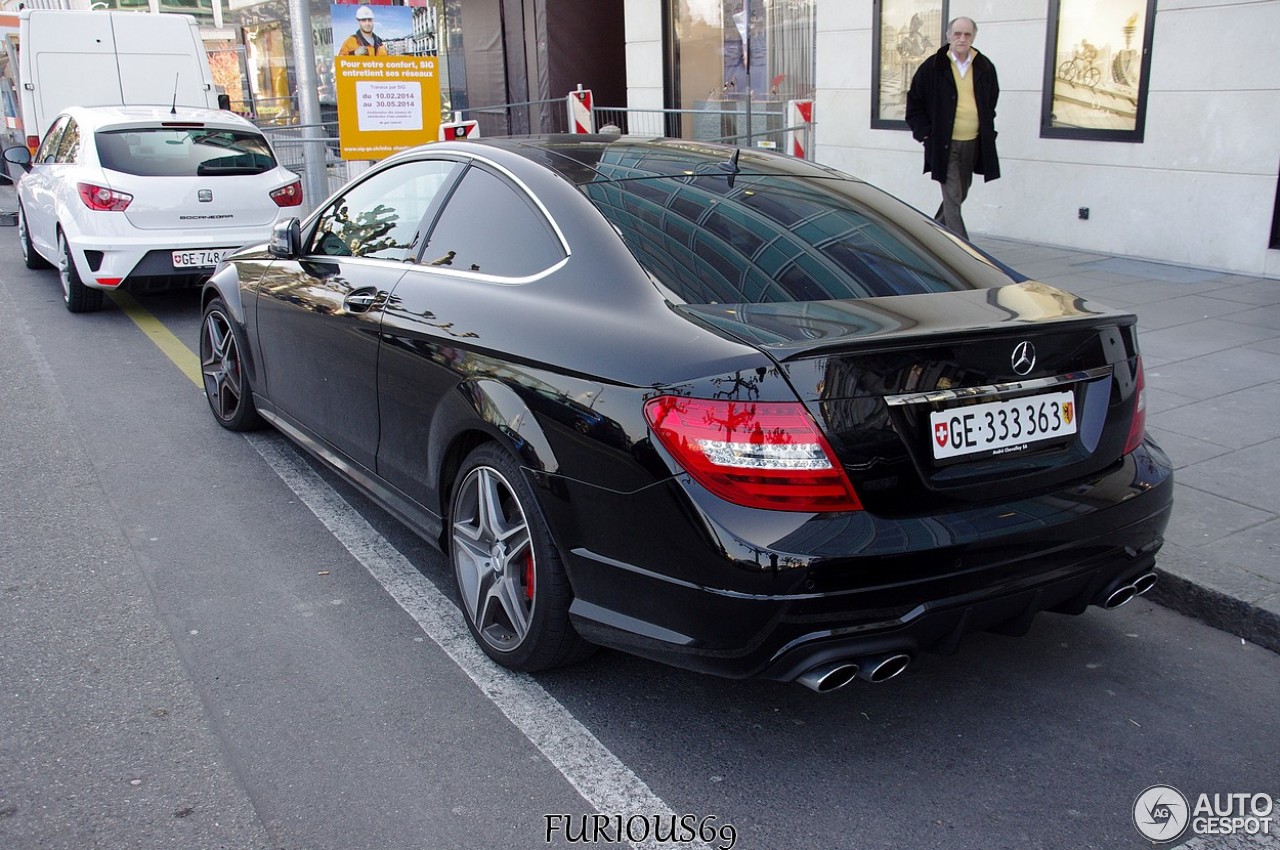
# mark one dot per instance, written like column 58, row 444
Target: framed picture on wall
column 906, row 32
column 1097, row 61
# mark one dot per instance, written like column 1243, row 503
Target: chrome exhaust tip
column 884, row 668
column 826, row 678
column 1143, row 583
column 1120, row 596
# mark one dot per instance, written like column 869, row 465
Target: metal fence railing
column 728, row 123
column 312, row 151
column 299, row 146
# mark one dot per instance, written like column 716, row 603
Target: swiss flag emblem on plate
column 940, row 433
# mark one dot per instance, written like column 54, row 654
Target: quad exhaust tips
column 834, row 675
column 1122, row 594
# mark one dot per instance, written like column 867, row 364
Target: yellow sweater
column 966, row 126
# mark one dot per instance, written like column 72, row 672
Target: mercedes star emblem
column 1024, row 357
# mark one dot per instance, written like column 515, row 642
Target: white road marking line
column 607, row 784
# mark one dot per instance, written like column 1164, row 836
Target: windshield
column 185, row 152
column 758, row 239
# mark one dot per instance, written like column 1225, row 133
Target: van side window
column 49, row 147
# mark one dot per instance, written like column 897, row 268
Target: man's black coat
column 931, row 112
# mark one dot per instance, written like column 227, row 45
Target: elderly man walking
column 951, row 108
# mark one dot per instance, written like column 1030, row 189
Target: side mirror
column 286, row 239
column 18, row 155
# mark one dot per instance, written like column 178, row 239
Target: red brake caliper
column 528, row 577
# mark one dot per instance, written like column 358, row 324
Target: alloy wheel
column 220, row 365
column 493, row 558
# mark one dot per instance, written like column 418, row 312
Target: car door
column 450, row 317
column 39, row 190
column 319, row 315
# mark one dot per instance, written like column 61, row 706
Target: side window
column 380, row 217
column 483, row 205
column 49, row 147
column 69, row 145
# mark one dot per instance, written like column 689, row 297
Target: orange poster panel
column 386, row 103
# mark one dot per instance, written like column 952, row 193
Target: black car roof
column 594, row 158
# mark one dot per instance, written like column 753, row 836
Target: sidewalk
column 1210, row 346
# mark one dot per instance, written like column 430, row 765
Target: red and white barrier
column 798, row 112
column 581, row 119
column 458, row 129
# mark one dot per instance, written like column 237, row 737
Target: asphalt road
column 205, row 642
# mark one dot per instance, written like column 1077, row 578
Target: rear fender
column 504, row 411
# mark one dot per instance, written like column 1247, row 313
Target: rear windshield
column 765, row 239
column 185, row 152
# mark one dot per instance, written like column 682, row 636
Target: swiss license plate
column 204, row 258
column 1002, row 427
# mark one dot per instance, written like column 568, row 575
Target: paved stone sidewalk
column 1210, row 346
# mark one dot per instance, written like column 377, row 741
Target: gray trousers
column 956, row 189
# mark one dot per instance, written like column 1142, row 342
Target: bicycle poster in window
column 907, row 31
column 1097, row 59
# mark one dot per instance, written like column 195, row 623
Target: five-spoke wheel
column 223, row 370
column 514, row 592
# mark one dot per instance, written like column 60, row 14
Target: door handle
column 361, row 300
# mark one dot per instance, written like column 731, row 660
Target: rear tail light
column 288, row 196
column 1138, row 427
column 103, row 199
column 33, row 144
column 757, row 454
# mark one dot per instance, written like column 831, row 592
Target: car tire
column 511, row 582
column 30, row 256
column 226, row 387
column 78, row 297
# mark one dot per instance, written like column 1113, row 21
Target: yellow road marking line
column 184, row 358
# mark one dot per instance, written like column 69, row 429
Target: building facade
column 1159, row 120
column 492, row 52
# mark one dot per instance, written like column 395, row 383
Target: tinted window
column 189, row 152
column 764, row 239
column 490, row 226
column 380, row 216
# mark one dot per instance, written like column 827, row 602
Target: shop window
column 201, row 10
column 725, row 54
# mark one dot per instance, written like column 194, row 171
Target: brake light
column 1138, row 427
column 288, row 196
column 33, row 144
column 757, row 454
column 103, row 199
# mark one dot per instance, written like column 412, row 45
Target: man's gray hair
column 952, row 23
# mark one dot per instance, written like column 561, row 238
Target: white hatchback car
column 148, row 197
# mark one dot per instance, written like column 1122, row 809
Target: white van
column 79, row 58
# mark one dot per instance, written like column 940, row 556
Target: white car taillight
column 103, row 199
column 288, row 196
